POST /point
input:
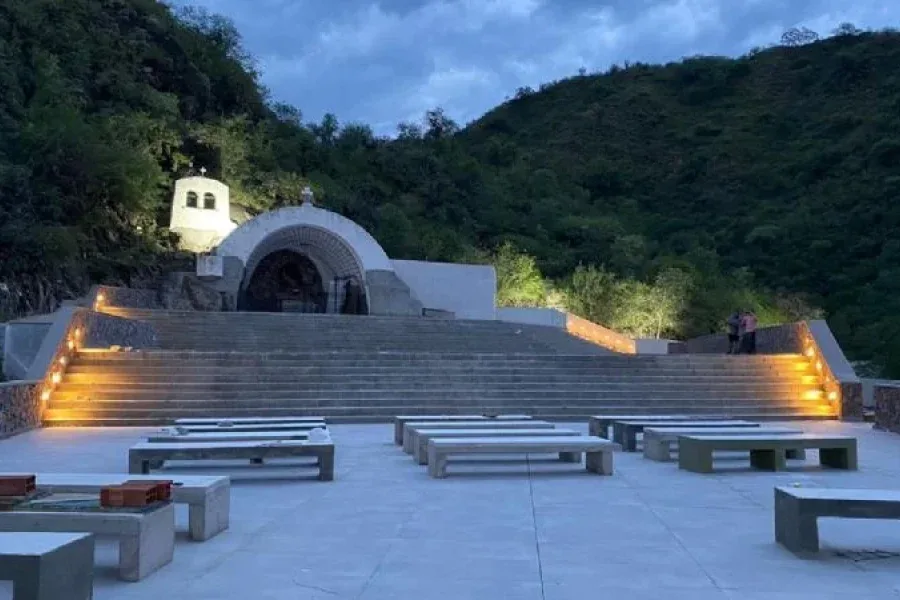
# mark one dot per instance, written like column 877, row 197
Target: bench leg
column 570, row 457
column 795, row 454
column 326, row 466
column 618, row 434
column 152, row 547
column 837, row 458
column 213, row 516
column 422, row 453
column 600, row 462
column 398, row 433
column 658, row 450
column 768, row 460
column 437, row 464
column 695, row 459
column 794, row 530
column 137, row 465
column 65, row 574
column 594, row 428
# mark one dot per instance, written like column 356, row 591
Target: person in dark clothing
column 734, row 332
column 352, row 303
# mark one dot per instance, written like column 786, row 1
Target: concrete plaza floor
column 504, row 530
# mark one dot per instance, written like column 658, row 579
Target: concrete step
column 648, row 359
column 385, row 414
column 89, row 380
column 265, row 403
column 364, row 396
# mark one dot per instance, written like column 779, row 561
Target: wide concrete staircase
column 369, row 369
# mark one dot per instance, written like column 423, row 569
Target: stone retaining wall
column 778, row 339
column 105, row 330
column 887, row 408
column 20, row 407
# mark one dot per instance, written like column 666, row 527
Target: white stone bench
column 48, row 566
column 401, row 420
column 229, row 436
column 767, row 452
column 504, row 424
column 248, row 420
column 797, row 511
column 598, row 452
column 146, row 539
column 599, row 424
column 659, row 442
column 208, row 497
column 420, row 437
column 625, row 432
column 142, row 456
column 307, row 425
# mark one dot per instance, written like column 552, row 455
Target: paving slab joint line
column 537, row 541
column 680, row 543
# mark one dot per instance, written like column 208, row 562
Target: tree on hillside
column 519, row 281
column 799, row 36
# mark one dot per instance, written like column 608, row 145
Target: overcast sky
column 386, row 62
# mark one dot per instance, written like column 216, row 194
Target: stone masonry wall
column 128, row 297
column 887, row 408
column 105, row 330
column 20, row 407
column 779, row 339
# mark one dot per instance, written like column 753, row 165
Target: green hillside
column 654, row 199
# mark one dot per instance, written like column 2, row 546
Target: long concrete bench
column 146, row 539
column 598, row 452
column 248, row 420
column 504, row 424
column 48, row 566
column 797, row 511
column 420, row 437
column 208, row 497
column 401, row 420
column 307, row 425
column 599, row 424
column 142, row 456
column 230, row 436
column 625, row 432
column 659, row 442
column 767, row 452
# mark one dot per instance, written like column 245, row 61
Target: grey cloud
column 389, row 61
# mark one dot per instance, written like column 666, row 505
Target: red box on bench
column 17, row 485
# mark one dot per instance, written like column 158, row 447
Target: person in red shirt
column 748, row 329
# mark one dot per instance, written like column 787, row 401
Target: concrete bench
column 146, row 539
column 208, row 497
column 306, row 425
column 420, row 437
column 599, row 424
column 230, row 436
column 767, row 452
column 48, row 566
column 797, row 511
column 142, row 456
column 401, row 420
column 504, row 424
column 248, row 420
column 625, row 432
column 598, row 452
column 658, row 442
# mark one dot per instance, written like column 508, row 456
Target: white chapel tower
column 201, row 212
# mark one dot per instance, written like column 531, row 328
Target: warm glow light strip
column 823, row 374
